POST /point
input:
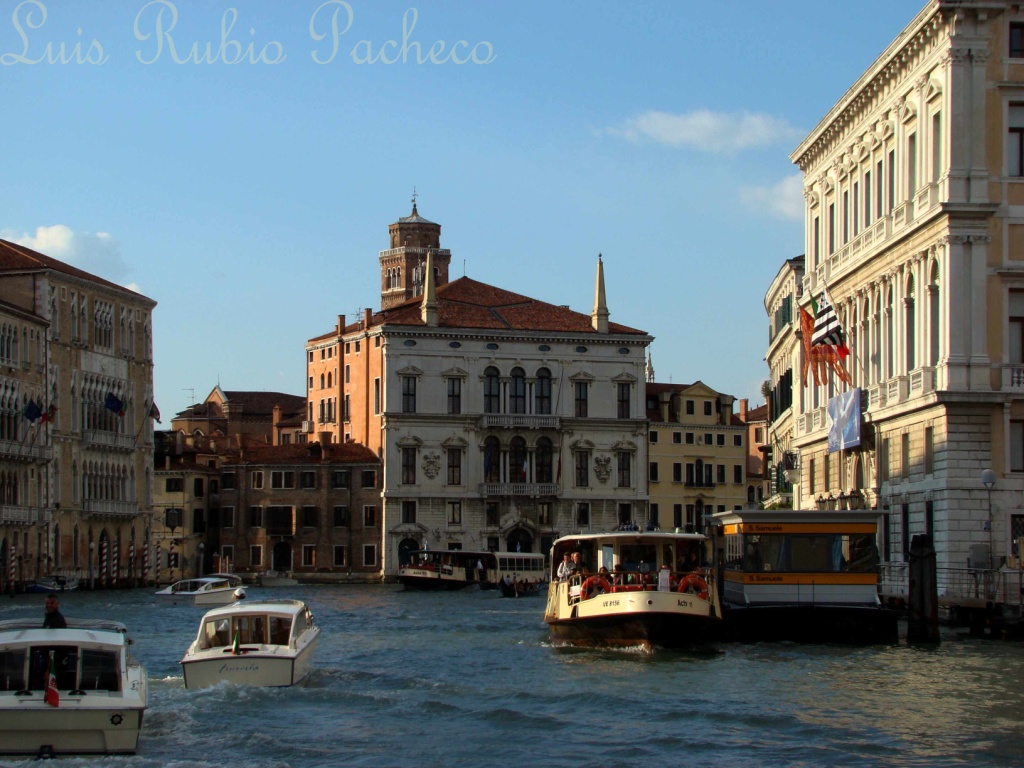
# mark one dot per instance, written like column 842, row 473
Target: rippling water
column 472, row 679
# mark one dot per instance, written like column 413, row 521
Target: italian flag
column 235, row 650
column 52, row 696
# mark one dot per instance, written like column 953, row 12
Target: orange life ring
column 598, row 583
column 694, row 583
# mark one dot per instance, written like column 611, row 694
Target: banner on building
column 844, row 421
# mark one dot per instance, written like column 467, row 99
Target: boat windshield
column 87, row 669
column 251, row 630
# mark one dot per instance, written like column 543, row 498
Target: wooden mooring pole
column 923, row 614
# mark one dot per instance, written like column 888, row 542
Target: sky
column 239, row 161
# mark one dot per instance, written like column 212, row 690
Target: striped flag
column 52, row 695
column 827, row 330
column 236, row 647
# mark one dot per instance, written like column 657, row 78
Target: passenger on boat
column 566, row 568
column 53, row 618
column 580, row 567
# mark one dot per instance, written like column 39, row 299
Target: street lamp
column 988, row 479
column 92, row 551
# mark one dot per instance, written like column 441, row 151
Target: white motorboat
column 643, row 588
column 73, row 691
column 260, row 643
column 208, row 590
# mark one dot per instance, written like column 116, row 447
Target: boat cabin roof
column 93, row 631
column 282, row 607
column 201, row 583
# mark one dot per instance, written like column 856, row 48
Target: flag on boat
column 32, row 411
column 154, row 413
column 114, row 403
column 236, row 649
column 827, row 330
column 52, row 696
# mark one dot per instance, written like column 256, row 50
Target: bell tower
column 403, row 266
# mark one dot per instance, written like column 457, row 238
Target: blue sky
column 249, row 193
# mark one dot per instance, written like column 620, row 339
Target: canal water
column 424, row 680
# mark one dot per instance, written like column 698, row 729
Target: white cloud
column 784, row 200
column 98, row 253
column 708, row 131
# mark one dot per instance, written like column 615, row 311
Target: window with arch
column 492, row 460
column 492, row 390
column 517, row 391
column 543, row 460
column 910, row 324
column 933, row 316
column 542, row 392
column 517, row 460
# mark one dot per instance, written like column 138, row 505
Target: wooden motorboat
column 56, row 583
column 73, row 691
column 208, row 590
column 260, row 643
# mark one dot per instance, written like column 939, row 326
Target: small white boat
column 95, row 702
column 642, row 588
column 53, row 584
column 208, row 590
column 261, row 643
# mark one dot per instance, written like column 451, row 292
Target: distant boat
column 261, row 643
column 208, row 590
column 97, row 699
column 53, row 584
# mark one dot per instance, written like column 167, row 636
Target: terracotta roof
column 19, row 258
column 252, row 403
column 467, row 303
column 309, row 453
column 758, row 414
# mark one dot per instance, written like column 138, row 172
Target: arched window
column 517, row 460
column 933, row 316
column 492, row 460
column 911, row 325
column 890, row 335
column 321, row 381
column 519, row 541
column 543, row 461
column 492, row 390
column 542, row 392
column 517, row 392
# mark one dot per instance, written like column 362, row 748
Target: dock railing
column 958, row 585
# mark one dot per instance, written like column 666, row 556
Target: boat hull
column 433, row 582
column 267, row 667
column 66, row 730
column 57, row 584
column 647, row 618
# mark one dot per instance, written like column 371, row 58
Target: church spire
column 599, row 317
column 650, row 367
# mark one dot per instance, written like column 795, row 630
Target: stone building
column 502, row 421
column 914, row 188
column 697, row 454
column 310, row 510
column 271, row 418
column 78, row 464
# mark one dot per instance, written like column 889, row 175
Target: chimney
column 341, row 324
column 743, row 408
column 367, row 318
column 663, row 398
column 324, row 438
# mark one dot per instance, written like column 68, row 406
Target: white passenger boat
column 641, row 588
column 208, row 590
column 802, row 576
column 261, row 643
column 73, row 691
column 440, row 569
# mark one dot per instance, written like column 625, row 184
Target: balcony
column 699, row 485
column 26, row 451
column 94, row 438
column 490, row 490
column 10, row 513
column 1013, row 378
column 115, row 508
column 517, row 421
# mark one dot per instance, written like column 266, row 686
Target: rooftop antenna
column 191, row 390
